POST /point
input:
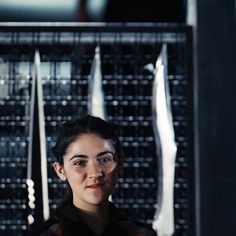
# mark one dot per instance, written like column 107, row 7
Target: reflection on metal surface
column 13, row 81
column 4, row 68
column 166, row 147
column 96, row 105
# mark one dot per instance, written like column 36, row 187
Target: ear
column 59, row 171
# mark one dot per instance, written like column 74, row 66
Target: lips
column 95, row 186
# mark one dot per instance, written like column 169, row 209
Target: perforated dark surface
column 66, row 57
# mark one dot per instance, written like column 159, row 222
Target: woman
column 89, row 157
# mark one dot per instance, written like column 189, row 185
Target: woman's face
column 90, row 168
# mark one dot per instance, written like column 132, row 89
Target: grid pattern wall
column 14, row 132
column 66, row 58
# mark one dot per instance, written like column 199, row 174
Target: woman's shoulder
column 131, row 226
column 135, row 227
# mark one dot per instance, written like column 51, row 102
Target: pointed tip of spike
column 37, row 57
column 159, row 61
column 97, row 49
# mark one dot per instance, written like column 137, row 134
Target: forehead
column 90, row 144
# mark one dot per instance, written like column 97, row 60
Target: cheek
column 74, row 176
column 113, row 175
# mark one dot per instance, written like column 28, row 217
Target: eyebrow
column 105, row 152
column 84, row 156
column 79, row 155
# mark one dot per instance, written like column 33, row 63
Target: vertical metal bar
column 192, row 20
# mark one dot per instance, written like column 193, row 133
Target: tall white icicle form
column 37, row 100
column 166, row 147
column 96, row 106
column 42, row 137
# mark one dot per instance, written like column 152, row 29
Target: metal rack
column 66, row 52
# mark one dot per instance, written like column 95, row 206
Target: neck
column 96, row 217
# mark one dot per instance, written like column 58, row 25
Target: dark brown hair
column 71, row 130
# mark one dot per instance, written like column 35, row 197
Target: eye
column 105, row 159
column 80, row 163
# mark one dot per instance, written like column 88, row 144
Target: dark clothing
column 66, row 222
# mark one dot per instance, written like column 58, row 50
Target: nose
column 94, row 171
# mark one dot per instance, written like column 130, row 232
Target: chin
column 97, row 200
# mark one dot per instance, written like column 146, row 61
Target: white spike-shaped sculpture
column 42, row 137
column 166, row 148
column 37, row 92
column 96, row 105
